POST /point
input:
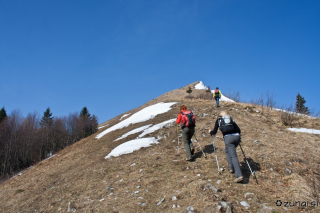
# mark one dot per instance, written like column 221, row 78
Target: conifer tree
column 300, row 107
column 88, row 123
column 189, row 90
column 47, row 118
column 84, row 112
column 3, row 114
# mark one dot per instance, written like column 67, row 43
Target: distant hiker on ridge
column 188, row 122
column 217, row 95
column 231, row 135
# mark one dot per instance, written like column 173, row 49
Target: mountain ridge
column 79, row 178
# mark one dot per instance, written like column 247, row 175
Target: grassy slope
column 80, row 177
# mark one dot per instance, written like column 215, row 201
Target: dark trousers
column 231, row 142
column 187, row 134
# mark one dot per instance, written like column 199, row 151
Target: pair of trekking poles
column 214, row 150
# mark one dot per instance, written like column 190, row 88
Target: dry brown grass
column 80, row 175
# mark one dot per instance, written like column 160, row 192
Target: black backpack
column 227, row 125
column 188, row 119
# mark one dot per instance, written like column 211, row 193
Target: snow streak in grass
column 125, row 115
column 312, row 131
column 131, row 146
column 156, row 127
column 141, row 116
column 140, row 129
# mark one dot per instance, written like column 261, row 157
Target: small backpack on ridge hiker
column 188, row 119
column 216, row 93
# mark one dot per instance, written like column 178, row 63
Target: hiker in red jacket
column 188, row 121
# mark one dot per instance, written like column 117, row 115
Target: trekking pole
column 178, row 139
column 252, row 172
column 214, row 150
column 200, row 146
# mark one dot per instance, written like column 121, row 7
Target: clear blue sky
column 113, row 56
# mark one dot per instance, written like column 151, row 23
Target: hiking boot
column 189, row 159
column 192, row 151
column 238, row 179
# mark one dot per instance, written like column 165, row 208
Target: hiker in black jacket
column 231, row 135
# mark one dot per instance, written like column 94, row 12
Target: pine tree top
column 47, row 118
column 300, row 107
column 84, row 112
column 3, row 114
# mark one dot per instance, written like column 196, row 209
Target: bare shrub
column 205, row 96
column 234, row 96
column 315, row 115
column 261, row 102
column 270, row 102
column 287, row 116
column 209, row 89
column 189, row 97
column 250, row 109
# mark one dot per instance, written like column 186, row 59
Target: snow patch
column 125, row 115
column 140, row 129
column 103, row 126
column 141, row 116
column 312, row 131
column 131, row 146
column 156, row 127
column 200, row 85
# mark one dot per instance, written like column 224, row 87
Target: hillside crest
column 156, row 177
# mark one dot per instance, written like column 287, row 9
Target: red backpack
column 188, row 119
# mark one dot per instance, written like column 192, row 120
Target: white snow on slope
column 140, row 129
column 125, row 115
column 156, row 127
column 103, row 126
column 200, row 85
column 130, row 146
column 312, row 131
column 224, row 98
column 141, row 116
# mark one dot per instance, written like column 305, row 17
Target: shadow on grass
column 246, row 171
column 208, row 149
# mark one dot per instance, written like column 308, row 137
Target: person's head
column 183, row 107
column 222, row 113
column 217, row 87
